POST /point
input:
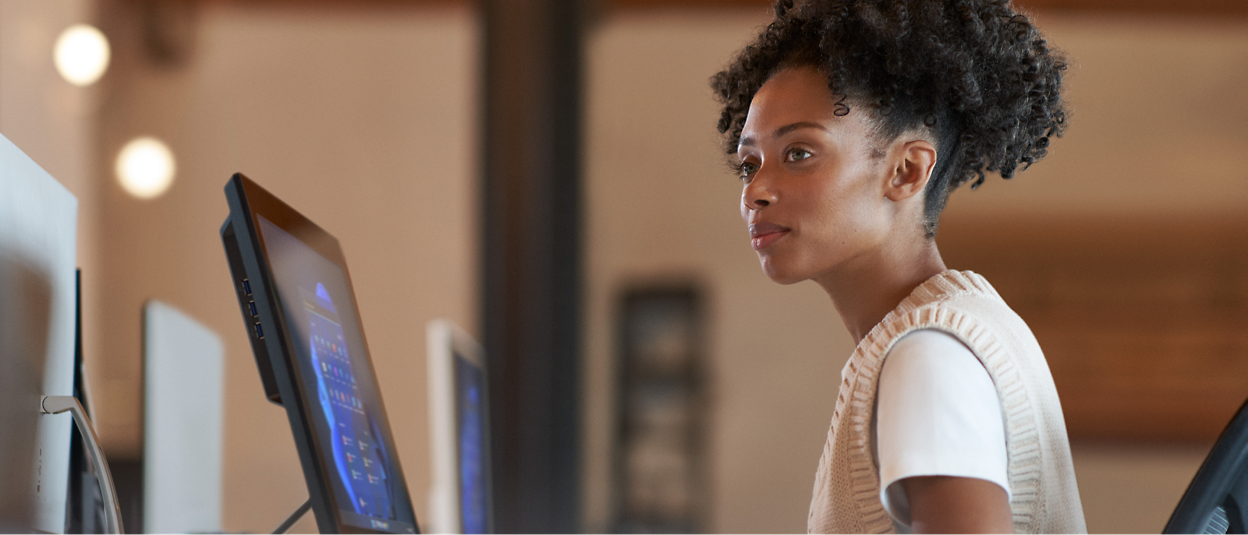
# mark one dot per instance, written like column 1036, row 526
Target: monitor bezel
column 446, row 340
column 1221, row 478
column 275, row 354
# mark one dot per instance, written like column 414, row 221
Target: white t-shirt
column 937, row 414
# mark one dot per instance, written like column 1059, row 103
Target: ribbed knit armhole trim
column 921, row 310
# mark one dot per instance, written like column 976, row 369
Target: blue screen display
column 352, row 436
column 471, row 442
column 358, row 455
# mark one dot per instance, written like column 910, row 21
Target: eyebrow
column 798, row 126
column 749, row 141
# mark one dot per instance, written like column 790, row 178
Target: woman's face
column 813, row 195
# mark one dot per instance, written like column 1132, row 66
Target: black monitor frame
column 274, row 347
column 1221, row 483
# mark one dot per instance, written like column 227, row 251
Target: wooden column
column 531, row 162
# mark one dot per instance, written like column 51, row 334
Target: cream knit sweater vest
column 1042, row 480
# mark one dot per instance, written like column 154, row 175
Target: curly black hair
column 975, row 73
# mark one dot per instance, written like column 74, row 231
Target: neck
column 868, row 288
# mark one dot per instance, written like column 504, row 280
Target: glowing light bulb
column 81, row 54
column 145, row 167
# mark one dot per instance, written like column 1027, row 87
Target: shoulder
column 966, row 305
column 929, row 342
column 930, row 358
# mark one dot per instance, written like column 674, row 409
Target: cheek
column 837, row 214
column 851, row 198
column 827, row 207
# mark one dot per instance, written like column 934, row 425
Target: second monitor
column 459, row 426
column 300, row 313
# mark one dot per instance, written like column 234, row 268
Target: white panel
column 38, row 217
column 183, row 399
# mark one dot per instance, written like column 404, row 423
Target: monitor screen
column 470, row 445
column 354, row 446
column 459, row 432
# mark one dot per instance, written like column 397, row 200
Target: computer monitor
column 38, row 231
column 183, row 405
column 1217, row 499
column 86, row 509
column 300, row 313
column 459, row 432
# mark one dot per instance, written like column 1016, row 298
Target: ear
column 912, row 168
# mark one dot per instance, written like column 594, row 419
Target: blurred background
column 703, row 391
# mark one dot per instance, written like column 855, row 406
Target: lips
column 762, row 235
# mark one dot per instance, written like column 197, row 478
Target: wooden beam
column 1186, row 8
column 1211, row 8
column 337, row 4
column 1158, row 7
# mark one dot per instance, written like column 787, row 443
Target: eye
column 746, row 170
column 796, row 154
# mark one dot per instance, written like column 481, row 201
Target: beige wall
column 1158, row 108
column 360, row 118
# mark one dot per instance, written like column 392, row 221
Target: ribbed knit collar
column 943, row 285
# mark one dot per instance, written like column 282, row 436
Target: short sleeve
column 937, row 414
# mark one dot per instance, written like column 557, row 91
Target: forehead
column 793, row 94
column 801, row 95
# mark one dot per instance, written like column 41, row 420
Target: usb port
column 259, row 331
column 247, row 287
column 252, row 305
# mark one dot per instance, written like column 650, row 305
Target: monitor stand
column 294, row 517
column 60, row 404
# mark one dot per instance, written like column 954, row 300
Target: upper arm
column 941, row 438
column 944, row 504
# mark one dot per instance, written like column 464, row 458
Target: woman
column 850, row 121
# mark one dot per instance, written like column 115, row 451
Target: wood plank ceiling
column 1171, row 7
column 1184, row 8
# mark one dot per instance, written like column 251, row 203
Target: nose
column 758, row 193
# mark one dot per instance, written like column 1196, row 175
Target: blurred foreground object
column 1217, row 499
column 38, row 222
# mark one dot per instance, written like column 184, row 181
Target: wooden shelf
column 1144, row 322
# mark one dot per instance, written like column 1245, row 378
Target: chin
column 778, row 273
